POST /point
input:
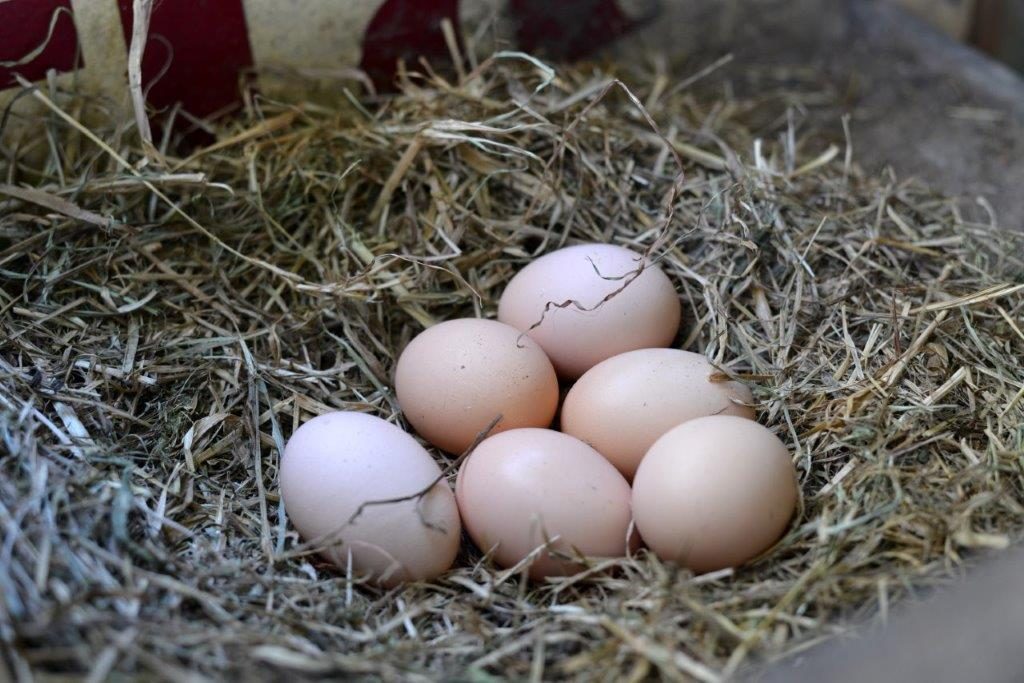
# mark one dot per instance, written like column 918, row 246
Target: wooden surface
column 953, row 17
column 999, row 30
column 996, row 27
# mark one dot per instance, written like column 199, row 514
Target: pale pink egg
column 622, row 405
column 523, row 488
column 338, row 462
column 714, row 492
column 565, row 291
column 456, row 377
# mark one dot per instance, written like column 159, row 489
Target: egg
column 714, row 492
column 454, row 378
column 644, row 314
column 523, row 487
column 337, row 462
column 622, row 405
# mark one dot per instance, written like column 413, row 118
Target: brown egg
column 525, row 486
column 622, row 405
column 454, row 378
column 335, row 463
column 714, row 492
column 644, row 314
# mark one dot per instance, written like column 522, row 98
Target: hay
column 165, row 328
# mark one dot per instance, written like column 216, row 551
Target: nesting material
column 166, row 325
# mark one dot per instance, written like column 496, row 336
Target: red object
column 406, row 29
column 195, row 53
column 198, row 51
column 24, row 27
column 568, row 29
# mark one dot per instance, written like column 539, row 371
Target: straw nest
column 167, row 322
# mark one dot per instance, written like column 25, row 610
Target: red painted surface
column 408, row 30
column 198, row 50
column 196, row 54
column 24, row 25
column 567, row 29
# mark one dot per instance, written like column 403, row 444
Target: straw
column 164, row 329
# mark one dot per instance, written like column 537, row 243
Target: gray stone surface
column 918, row 101
column 970, row 633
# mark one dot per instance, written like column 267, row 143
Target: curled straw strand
column 162, row 333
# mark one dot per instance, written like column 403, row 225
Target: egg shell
column 454, row 378
column 524, row 486
column 645, row 314
column 714, row 492
column 336, row 462
column 622, row 405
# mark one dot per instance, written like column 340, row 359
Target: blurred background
column 993, row 26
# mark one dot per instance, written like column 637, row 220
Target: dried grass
column 164, row 329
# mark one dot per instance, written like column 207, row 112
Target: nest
column 167, row 321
